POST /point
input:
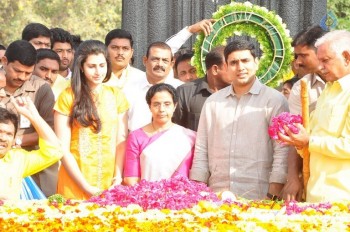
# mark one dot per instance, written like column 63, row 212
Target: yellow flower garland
column 206, row 216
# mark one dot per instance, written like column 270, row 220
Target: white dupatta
column 161, row 159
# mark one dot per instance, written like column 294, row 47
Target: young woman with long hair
column 91, row 123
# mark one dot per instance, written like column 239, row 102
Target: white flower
column 193, row 60
column 278, row 18
column 264, row 9
column 248, row 4
column 287, row 32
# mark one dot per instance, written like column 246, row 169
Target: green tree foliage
column 91, row 19
column 341, row 9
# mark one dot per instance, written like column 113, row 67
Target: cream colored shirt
column 315, row 86
column 329, row 144
column 233, row 149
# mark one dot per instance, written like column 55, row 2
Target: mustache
column 120, row 56
column 18, row 80
column 159, row 68
column 48, row 79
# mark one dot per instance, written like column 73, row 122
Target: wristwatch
column 273, row 197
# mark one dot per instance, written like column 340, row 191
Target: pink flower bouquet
column 284, row 119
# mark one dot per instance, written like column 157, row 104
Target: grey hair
column 339, row 40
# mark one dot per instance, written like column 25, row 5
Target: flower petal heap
column 238, row 215
column 176, row 193
column 283, row 119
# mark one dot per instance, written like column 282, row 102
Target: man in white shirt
column 159, row 62
column 120, row 50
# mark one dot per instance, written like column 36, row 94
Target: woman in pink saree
column 161, row 149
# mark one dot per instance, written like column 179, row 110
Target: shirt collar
column 316, row 78
column 26, row 87
column 168, row 80
column 255, row 89
column 344, row 82
column 202, row 85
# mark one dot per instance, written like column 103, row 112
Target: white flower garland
column 254, row 21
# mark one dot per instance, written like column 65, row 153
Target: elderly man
column 329, row 139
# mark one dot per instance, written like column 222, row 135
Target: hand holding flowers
column 288, row 129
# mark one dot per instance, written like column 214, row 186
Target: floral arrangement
column 175, row 194
column 257, row 22
column 240, row 215
column 283, row 119
column 207, row 213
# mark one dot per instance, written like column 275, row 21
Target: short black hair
column 34, row 30
column 44, row 53
column 239, row 45
column 119, row 34
column 2, row 47
column 182, row 55
column 160, row 88
column 76, row 39
column 291, row 81
column 6, row 116
column 21, row 51
column 159, row 44
column 308, row 36
column 60, row 35
column 215, row 57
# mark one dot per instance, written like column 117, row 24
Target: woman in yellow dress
column 91, row 123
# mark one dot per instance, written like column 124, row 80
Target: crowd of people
column 77, row 118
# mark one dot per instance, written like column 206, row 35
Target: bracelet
column 273, row 197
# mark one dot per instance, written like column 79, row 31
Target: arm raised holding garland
column 177, row 40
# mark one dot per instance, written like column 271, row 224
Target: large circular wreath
column 256, row 22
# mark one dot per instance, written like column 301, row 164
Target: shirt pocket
column 339, row 114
